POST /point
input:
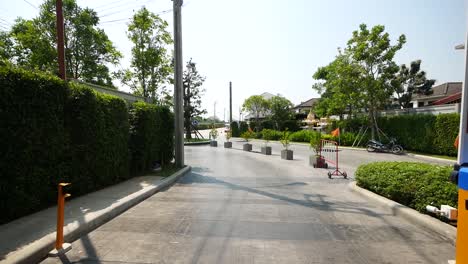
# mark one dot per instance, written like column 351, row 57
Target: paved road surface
column 238, row 207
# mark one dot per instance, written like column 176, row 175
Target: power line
column 129, row 18
column 31, row 4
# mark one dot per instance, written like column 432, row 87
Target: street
column 240, row 207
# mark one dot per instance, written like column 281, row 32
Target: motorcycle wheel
column 397, row 149
column 370, row 148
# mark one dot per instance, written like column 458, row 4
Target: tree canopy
column 88, row 50
column 192, row 83
column 256, row 105
column 151, row 66
column 280, row 109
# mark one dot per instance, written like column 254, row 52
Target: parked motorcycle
column 392, row 146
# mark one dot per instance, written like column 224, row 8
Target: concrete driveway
column 239, row 207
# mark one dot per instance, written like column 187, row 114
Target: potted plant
column 266, row 133
column 286, row 153
column 228, row 135
column 247, row 135
column 213, row 136
column 316, row 144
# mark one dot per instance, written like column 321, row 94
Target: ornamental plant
column 316, row 143
column 247, row 135
column 228, row 135
column 285, row 139
column 214, row 133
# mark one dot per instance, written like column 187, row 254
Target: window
column 420, row 104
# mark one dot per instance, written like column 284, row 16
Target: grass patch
column 434, row 155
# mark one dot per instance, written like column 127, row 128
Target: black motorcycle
column 392, row 146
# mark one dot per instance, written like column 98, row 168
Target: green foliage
column 235, row 129
column 269, row 134
column 150, row 65
column 97, row 126
column 291, row 125
column 204, row 126
column 53, row 132
column 88, row 49
column 268, row 124
column 302, row 136
column 192, row 82
column 151, row 136
column 413, row 184
column 280, row 109
column 316, row 142
column 33, row 141
column 243, row 126
column 247, row 135
column 445, row 131
column 285, row 141
column 213, row 133
column 256, row 105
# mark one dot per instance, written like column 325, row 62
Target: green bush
column 290, row 125
column 235, row 129
column 97, row 127
column 445, row 132
column 268, row 124
column 270, row 134
column 33, row 141
column 243, row 127
column 302, row 136
column 413, row 184
column 151, row 136
column 54, row 132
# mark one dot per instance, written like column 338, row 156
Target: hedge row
column 412, row 184
column 53, row 131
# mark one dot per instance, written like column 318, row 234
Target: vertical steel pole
column 60, row 40
column 462, row 225
column 178, row 85
column 230, row 103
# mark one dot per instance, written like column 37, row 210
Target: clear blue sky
column 276, row 45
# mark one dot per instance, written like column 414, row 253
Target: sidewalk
column 30, row 238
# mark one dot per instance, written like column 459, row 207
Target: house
column 303, row 109
column 446, row 93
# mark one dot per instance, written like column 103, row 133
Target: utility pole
column 178, row 88
column 60, row 40
column 230, row 103
column 224, row 117
column 214, row 113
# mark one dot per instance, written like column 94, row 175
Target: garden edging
column 409, row 214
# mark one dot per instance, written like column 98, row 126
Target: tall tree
column 88, row 50
column 192, row 83
column 256, row 105
column 373, row 52
column 340, row 87
column 409, row 81
column 280, row 109
column 150, row 67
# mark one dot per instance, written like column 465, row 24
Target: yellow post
column 60, row 214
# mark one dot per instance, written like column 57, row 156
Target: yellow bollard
column 462, row 226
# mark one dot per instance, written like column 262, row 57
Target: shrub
column 285, row 139
column 204, row 126
column 269, row 134
column 33, row 141
column 268, row 124
column 247, row 135
column 445, row 132
column 151, row 136
column 97, row 125
column 413, row 184
column 235, row 129
column 302, row 136
column 291, row 125
column 54, row 131
column 243, row 126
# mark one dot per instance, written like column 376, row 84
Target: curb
column 409, row 214
column 433, row 158
column 38, row 250
column 197, row 143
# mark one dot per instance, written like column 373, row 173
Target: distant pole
column 60, row 40
column 214, row 113
column 178, row 92
column 224, row 117
column 230, row 102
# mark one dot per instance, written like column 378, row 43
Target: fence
column 329, row 152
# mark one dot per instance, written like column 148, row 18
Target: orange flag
column 457, row 140
column 336, row 132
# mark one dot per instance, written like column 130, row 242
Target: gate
column 329, row 152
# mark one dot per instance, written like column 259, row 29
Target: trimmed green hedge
column 235, row 129
column 151, row 136
column 33, row 141
column 54, row 131
column 412, row 184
